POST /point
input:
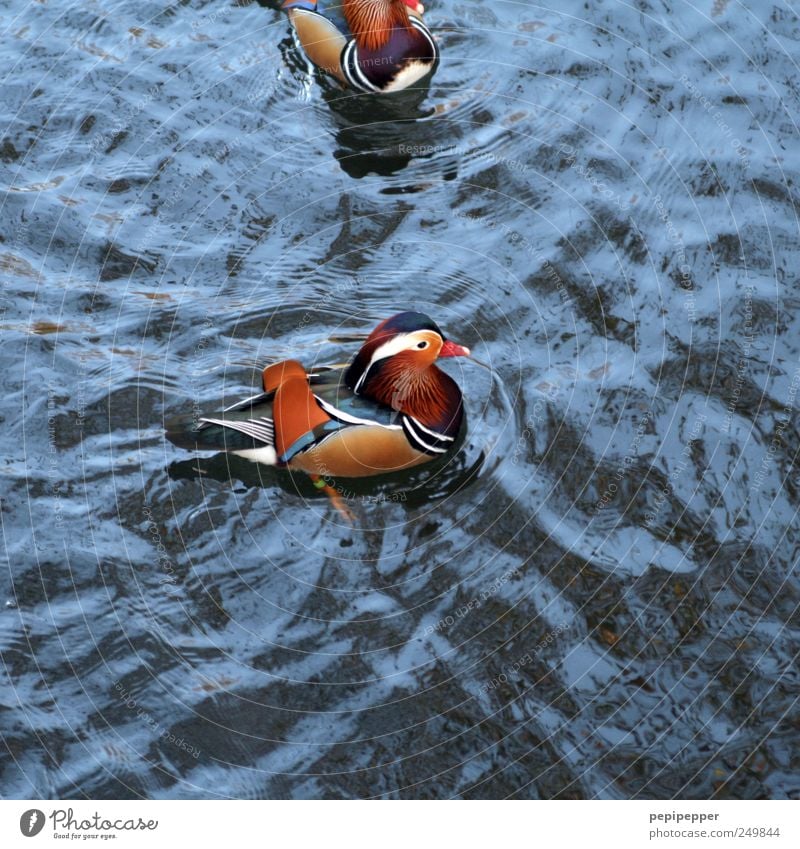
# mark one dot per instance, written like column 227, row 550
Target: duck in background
column 391, row 409
column 373, row 46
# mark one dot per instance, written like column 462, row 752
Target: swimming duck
column 392, row 408
column 375, row 46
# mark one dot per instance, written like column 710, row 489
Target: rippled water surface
column 597, row 598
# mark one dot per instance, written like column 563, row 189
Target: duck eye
column 422, row 344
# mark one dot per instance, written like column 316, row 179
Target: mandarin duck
column 374, row 46
column 391, row 409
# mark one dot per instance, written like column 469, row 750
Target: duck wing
column 245, row 425
column 321, row 38
column 249, row 424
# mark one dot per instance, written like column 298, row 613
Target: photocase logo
column 31, row 822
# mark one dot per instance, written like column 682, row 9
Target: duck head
column 372, row 21
column 396, row 367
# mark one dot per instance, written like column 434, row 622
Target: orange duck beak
column 450, row 349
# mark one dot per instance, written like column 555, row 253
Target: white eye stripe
column 403, row 342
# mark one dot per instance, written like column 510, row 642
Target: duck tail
column 193, row 435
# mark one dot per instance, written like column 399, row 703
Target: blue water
column 597, row 599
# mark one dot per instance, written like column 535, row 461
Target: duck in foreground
column 391, row 409
column 375, row 46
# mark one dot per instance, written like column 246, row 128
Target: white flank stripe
column 432, row 433
column 346, row 417
column 414, row 437
column 359, row 81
